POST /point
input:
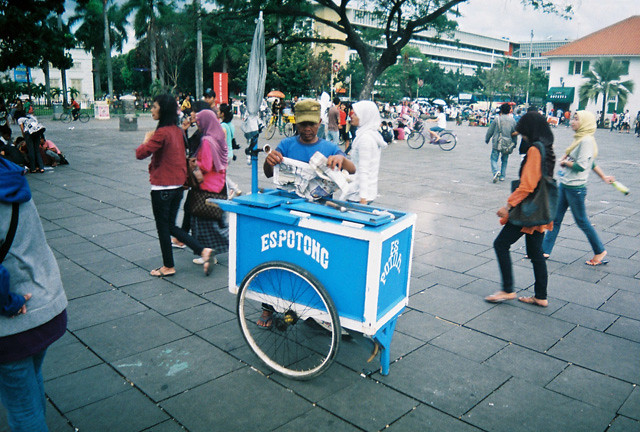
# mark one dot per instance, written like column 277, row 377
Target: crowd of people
column 31, row 150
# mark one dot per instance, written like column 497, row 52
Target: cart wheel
column 288, row 130
column 294, row 344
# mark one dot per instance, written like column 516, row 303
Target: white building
column 80, row 76
column 620, row 41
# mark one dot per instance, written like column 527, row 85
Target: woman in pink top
column 212, row 160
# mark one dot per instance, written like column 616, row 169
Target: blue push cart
column 318, row 268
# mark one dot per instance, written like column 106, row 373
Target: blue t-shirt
column 292, row 148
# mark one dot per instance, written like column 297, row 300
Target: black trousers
column 33, row 150
column 508, row 236
column 165, row 205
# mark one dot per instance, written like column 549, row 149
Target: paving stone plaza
column 165, row 355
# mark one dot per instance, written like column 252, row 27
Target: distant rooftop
column 620, row 39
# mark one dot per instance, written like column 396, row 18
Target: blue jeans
column 572, row 198
column 22, row 394
column 333, row 136
column 495, row 154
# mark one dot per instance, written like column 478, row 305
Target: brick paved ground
column 146, row 354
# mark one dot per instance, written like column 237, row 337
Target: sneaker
column 495, row 177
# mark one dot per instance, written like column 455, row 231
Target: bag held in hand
column 194, row 174
column 539, row 207
column 199, row 207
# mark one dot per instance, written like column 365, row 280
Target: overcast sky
column 510, row 19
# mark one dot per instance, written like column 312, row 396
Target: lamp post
column 529, row 72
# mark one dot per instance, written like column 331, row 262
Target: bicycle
column 447, row 141
column 285, row 127
column 67, row 117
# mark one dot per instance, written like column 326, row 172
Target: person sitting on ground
column 441, row 118
column 301, row 147
column 52, row 156
column 8, row 150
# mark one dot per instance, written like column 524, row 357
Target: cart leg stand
column 383, row 337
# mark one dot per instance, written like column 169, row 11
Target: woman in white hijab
column 366, row 149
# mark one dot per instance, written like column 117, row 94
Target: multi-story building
column 569, row 62
column 460, row 51
column 523, row 51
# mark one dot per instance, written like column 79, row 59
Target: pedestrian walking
column 537, row 141
column 576, row 163
column 168, row 173
column 503, row 141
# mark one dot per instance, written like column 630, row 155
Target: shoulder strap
column 13, row 225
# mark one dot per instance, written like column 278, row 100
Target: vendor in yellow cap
column 302, row 146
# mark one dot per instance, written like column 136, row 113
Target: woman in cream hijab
column 577, row 162
column 367, row 147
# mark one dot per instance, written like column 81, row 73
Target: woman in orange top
column 535, row 131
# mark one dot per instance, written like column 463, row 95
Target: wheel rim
column 294, row 345
column 271, row 130
column 415, row 140
column 447, row 141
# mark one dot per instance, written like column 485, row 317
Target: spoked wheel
column 447, row 141
column 415, row 140
column 293, row 344
column 271, row 130
column 65, row 118
column 83, row 117
column 288, row 129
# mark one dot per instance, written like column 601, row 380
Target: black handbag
column 539, row 207
column 199, row 207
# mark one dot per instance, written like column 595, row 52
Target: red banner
column 221, row 87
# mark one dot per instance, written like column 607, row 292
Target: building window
column 77, row 84
column 625, row 67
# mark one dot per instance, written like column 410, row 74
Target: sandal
column 594, row 263
column 500, row 297
column 159, row 273
column 266, row 319
column 534, row 301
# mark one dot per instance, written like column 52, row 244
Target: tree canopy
column 397, row 22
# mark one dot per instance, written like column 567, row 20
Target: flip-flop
column 493, row 298
column 159, row 273
column 533, row 301
column 593, row 263
column 265, row 321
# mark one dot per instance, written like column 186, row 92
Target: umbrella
column 439, row 102
column 276, row 94
column 256, row 77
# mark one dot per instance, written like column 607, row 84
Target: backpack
column 505, row 143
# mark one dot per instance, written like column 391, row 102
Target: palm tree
column 91, row 15
column 604, row 79
column 144, row 24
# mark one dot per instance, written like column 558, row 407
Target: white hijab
column 370, row 121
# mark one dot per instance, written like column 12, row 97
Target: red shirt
column 75, row 104
column 343, row 118
column 168, row 166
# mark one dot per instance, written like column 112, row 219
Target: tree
column 90, row 15
column 398, row 21
column 493, row 82
column 604, row 79
column 144, row 24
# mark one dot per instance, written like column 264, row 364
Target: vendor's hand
column 23, row 309
column 274, row 158
column 609, row 179
column 503, row 212
column 334, row 161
